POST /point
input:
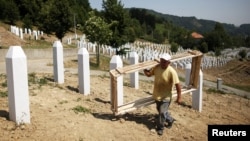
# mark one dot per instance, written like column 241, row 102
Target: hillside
column 201, row 25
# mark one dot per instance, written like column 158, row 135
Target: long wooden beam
column 147, row 64
column 146, row 101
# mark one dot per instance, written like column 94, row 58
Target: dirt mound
column 234, row 72
column 9, row 39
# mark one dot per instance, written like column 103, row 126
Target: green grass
column 104, row 63
column 212, row 90
column 80, row 109
column 33, row 79
column 244, row 88
column 3, row 94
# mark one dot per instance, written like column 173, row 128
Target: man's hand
column 146, row 72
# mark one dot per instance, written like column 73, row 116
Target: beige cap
column 165, row 56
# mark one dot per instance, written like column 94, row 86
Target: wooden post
column 18, row 92
column 58, row 62
column 116, row 86
column 195, row 70
column 83, row 71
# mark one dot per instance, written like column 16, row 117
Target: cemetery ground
column 59, row 112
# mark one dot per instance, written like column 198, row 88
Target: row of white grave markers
column 150, row 53
column 17, row 78
column 19, row 32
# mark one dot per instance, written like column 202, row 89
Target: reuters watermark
column 239, row 132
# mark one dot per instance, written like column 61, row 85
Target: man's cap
column 165, row 56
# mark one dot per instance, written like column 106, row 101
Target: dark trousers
column 163, row 116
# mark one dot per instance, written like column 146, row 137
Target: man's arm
column 178, row 88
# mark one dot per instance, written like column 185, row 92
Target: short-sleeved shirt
column 163, row 82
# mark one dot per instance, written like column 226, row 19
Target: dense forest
column 114, row 25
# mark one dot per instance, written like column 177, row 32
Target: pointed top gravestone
column 18, row 92
column 58, row 62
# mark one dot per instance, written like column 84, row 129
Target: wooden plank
column 143, row 102
column 114, row 93
column 151, row 63
column 137, row 66
column 195, row 70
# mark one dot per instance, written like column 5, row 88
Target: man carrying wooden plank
column 165, row 78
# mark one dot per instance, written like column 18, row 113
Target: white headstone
column 18, row 92
column 58, row 62
column 197, row 94
column 83, row 71
column 187, row 75
column 134, row 77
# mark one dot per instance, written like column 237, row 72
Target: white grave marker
column 83, row 71
column 18, row 92
column 58, row 62
column 134, row 77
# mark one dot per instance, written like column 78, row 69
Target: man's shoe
column 159, row 132
column 170, row 124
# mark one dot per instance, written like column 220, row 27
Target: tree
column 56, row 17
column 117, row 18
column 218, row 39
column 9, row 11
column 80, row 9
column 30, row 8
column 174, row 47
column 97, row 31
column 242, row 53
column 203, row 48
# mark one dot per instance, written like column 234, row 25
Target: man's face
column 164, row 63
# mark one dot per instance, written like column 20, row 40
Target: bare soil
column 59, row 112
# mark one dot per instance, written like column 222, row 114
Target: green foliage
column 80, row 8
column 27, row 22
column 211, row 90
column 9, row 11
column 204, row 47
column 243, row 53
column 33, row 79
column 218, row 39
column 118, row 20
column 3, row 86
column 3, row 94
column 97, row 30
column 247, row 41
column 174, row 47
column 56, row 17
column 80, row 109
